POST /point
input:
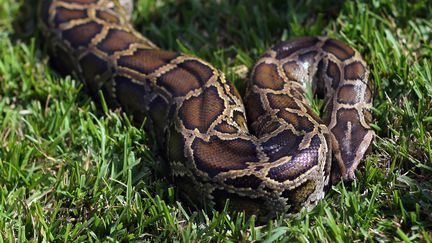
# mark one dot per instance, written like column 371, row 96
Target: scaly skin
column 277, row 165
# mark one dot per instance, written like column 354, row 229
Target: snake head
column 351, row 140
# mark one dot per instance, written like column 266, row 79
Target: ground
column 70, row 171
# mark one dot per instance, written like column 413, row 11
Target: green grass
column 72, row 172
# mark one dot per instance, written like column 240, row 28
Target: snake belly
column 274, row 157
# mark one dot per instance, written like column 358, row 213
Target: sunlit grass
column 70, row 171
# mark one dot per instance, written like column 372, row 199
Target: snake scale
column 274, row 157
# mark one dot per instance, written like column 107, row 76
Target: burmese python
column 275, row 161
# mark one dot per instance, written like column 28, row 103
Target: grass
column 70, row 171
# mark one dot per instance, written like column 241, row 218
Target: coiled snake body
column 275, row 161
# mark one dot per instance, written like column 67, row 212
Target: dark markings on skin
column 240, row 119
column 64, row 15
column 258, row 127
column 267, row 128
column 108, row 17
column 319, row 80
column 339, row 49
column 285, row 49
column 247, row 181
column 231, row 154
column 297, row 92
column 327, row 114
column 233, row 92
column 117, row 40
column 282, row 101
column 258, row 168
column 300, row 162
column 334, row 73
column 293, row 71
column 281, row 145
column 254, row 100
column 146, row 61
column 200, row 71
column 300, row 123
column 266, row 76
column 131, row 97
column 81, row 35
column 93, row 66
column 354, row 71
column 367, row 115
column 189, row 76
column 349, row 94
column 308, row 56
column 201, row 111
column 224, row 127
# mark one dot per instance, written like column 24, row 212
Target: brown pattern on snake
column 278, row 164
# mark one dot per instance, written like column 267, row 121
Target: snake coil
column 274, row 157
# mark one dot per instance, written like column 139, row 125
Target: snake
column 267, row 152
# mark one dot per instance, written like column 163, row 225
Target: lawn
column 70, row 171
